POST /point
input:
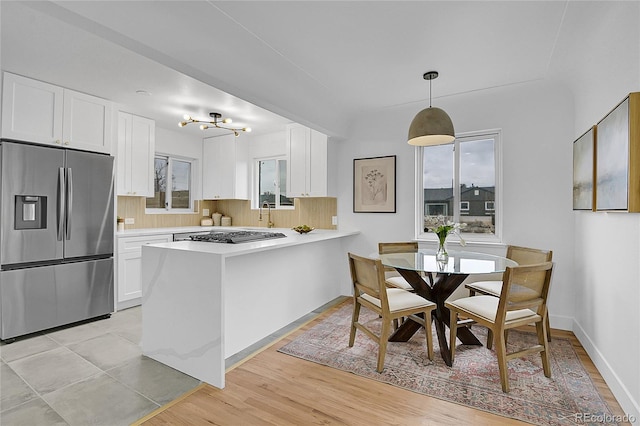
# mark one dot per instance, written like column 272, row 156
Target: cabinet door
column 129, row 275
column 130, row 264
column 136, row 151
column 298, row 150
column 317, row 171
column 87, row 122
column 224, row 175
column 31, row 110
column 143, row 146
column 123, row 154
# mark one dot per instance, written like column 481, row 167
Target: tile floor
column 92, row 373
column 95, row 373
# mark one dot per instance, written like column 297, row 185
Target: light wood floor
column 271, row 388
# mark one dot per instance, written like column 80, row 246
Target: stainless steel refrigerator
column 56, row 237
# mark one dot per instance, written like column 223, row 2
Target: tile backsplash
column 314, row 212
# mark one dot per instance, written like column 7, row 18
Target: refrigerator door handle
column 69, row 202
column 61, row 203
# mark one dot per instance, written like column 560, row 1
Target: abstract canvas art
column 612, row 154
column 583, row 170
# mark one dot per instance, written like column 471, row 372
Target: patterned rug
column 568, row 398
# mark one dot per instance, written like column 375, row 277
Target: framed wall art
column 612, row 154
column 374, row 185
column 584, row 171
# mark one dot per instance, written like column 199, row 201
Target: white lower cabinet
column 129, row 267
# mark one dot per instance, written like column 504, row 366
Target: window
column 463, row 179
column 272, row 183
column 172, row 185
column 436, row 209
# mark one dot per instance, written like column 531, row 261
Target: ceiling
column 266, row 63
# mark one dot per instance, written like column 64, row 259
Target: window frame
column 169, row 209
column 470, row 238
column 256, row 183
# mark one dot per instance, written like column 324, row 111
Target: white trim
column 617, row 387
column 420, row 235
column 192, row 185
column 255, row 196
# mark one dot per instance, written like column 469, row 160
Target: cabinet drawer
column 135, row 243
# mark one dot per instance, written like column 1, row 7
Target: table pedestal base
column 437, row 291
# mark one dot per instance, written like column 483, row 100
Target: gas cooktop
column 232, row 237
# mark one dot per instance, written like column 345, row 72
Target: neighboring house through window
column 462, row 181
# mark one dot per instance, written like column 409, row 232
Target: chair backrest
column 367, row 276
column 399, row 247
column 525, row 287
column 528, row 256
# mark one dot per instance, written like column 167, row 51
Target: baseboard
column 129, row 303
column 619, row 390
column 560, row 322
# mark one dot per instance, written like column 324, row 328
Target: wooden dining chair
column 370, row 291
column 392, row 278
column 522, row 301
column 523, row 256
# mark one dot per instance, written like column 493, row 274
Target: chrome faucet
column 269, row 223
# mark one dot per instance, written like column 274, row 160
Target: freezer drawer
column 39, row 298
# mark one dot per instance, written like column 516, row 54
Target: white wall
column 183, row 145
column 268, row 145
column 602, row 68
column 536, row 128
column 596, row 282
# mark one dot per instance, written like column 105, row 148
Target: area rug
column 568, row 398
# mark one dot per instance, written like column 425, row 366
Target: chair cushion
column 399, row 282
column 487, row 306
column 400, row 300
column 487, row 287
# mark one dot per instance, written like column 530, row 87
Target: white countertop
column 156, row 231
column 292, row 238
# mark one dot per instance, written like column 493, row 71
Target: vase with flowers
column 442, row 227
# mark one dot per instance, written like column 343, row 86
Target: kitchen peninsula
column 203, row 302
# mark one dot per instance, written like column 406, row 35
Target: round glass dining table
column 436, row 280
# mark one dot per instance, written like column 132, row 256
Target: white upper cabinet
column 225, row 168
column 86, row 122
column 307, row 167
column 135, row 156
column 40, row 112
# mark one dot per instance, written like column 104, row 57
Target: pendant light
column 431, row 126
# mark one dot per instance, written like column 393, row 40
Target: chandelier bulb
column 203, row 127
column 187, row 117
column 246, row 129
column 227, row 121
column 182, row 123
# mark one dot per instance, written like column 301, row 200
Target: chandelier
column 218, row 122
